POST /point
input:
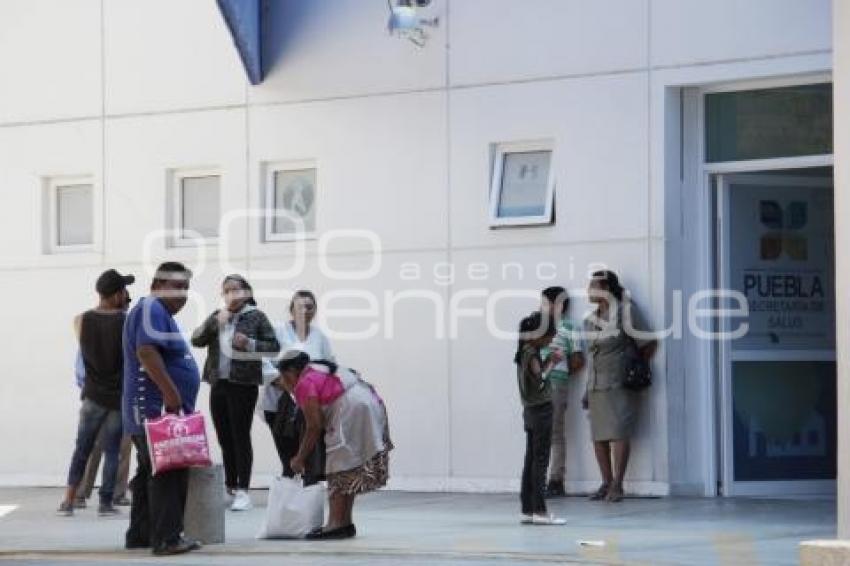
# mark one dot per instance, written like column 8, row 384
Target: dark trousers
column 538, row 444
column 158, row 503
column 287, row 426
column 94, row 420
column 286, row 448
column 232, row 407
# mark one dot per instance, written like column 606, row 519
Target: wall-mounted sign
column 781, row 259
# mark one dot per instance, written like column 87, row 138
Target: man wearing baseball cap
column 99, row 331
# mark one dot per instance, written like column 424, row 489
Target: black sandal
column 348, row 531
column 600, row 493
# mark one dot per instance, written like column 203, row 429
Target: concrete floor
column 442, row 529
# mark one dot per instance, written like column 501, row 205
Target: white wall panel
column 166, row 55
column 600, row 133
column 692, row 31
column 29, row 155
column 504, row 40
column 50, row 59
column 141, row 151
column 381, row 165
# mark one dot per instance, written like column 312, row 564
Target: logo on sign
column 298, row 197
column 178, row 429
column 784, row 227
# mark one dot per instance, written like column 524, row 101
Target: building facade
column 685, row 144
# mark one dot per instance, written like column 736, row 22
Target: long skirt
column 370, row 476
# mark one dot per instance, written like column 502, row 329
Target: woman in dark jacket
column 237, row 337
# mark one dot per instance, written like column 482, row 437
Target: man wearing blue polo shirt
column 160, row 375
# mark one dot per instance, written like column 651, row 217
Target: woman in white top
column 279, row 409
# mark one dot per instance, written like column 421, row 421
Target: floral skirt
column 370, row 476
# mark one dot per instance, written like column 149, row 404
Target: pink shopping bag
column 177, row 441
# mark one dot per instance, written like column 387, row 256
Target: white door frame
column 724, row 174
column 704, row 211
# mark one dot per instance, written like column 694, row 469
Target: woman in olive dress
column 615, row 333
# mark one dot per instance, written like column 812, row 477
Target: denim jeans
column 93, row 417
column 86, row 486
column 538, row 436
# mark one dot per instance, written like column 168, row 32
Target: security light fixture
column 405, row 21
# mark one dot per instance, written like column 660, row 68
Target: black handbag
column 638, row 371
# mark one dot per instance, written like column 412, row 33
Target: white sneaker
column 547, row 520
column 525, row 519
column 241, row 501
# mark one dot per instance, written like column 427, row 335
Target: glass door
column 777, row 382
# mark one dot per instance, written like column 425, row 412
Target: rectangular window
column 69, row 215
column 74, row 215
column 523, row 185
column 789, row 121
column 197, row 206
column 290, row 201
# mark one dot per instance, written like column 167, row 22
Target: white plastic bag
column 293, row 510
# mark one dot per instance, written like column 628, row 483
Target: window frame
column 499, row 151
column 176, row 205
column 270, row 170
column 51, row 190
column 756, row 85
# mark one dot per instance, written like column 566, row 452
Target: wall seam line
column 403, row 92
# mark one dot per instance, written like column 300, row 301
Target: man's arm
column 151, row 360
column 78, row 325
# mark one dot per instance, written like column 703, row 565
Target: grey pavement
column 442, row 529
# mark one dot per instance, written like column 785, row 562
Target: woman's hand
column 223, row 317
column 241, row 342
column 297, row 464
column 556, row 357
column 648, row 351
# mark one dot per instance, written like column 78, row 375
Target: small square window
column 197, row 207
column 69, row 215
column 522, row 190
column 74, row 215
column 290, row 201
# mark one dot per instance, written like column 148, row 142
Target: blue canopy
column 244, row 19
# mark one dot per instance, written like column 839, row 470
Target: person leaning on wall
column 615, row 333
column 555, row 304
